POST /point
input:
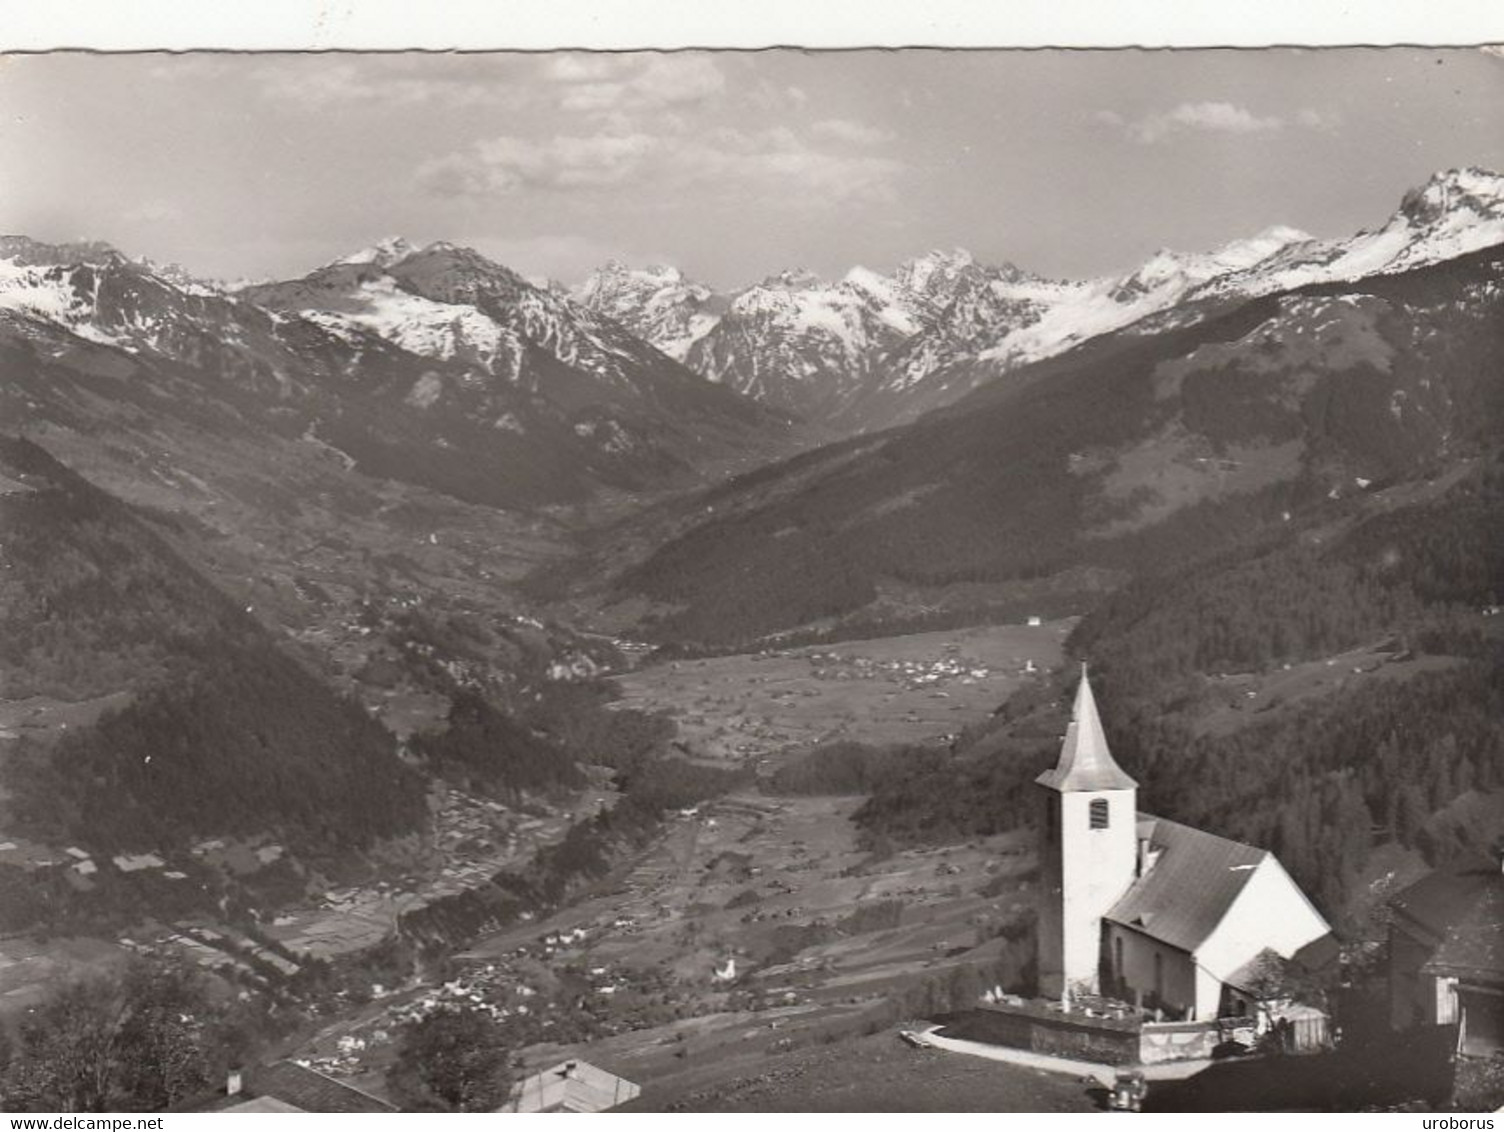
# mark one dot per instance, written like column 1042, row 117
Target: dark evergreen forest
column 1392, row 757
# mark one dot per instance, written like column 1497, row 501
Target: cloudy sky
column 730, row 165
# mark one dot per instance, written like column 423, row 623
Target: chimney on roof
column 1147, row 855
column 234, row 1081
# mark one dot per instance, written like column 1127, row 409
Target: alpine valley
column 410, row 608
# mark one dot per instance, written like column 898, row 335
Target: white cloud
column 633, row 83
column 579, row 68
column 453, row 83
column 1205, row 117
column 505, row 164
column 1324, row 121
column 723, row 162
column 845, row 130
column 598, row 86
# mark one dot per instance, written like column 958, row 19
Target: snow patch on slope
column 1455, row 213
column 418, row 325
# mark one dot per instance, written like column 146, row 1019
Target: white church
column 1147, row 909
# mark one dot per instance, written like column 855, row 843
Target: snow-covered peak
column 614, row 280
column 1454, row 213
column 183, row 279
column 1255, row 249
column 615, row 269
column 869, row 280
column 873, row 283
column 93, row 291
column 418, row 325
column 383, row 253
column 1164, row 266
column 25, row 250
column 1478, row 192
column 45, row 291
column 934, row 272
column 1170, row 274
column 804, row 344
column 657, row 303
column 791, row 279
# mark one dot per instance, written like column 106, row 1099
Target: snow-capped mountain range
column 655, row 303
column 806, row 346
column 870, row 349
column 866, row 351
column 431, row 363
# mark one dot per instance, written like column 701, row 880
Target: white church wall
column 1173, row 973
column 1096, row 868
column 1208, row 995
column 1270, row 911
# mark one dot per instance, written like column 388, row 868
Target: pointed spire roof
column 1085, row 762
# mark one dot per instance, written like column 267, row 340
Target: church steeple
column 1088, row 850
column 1085, row 761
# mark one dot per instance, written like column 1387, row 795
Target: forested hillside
column 1221, row 696
column 1153, row 446
column 224, row 731
column 1322, row 780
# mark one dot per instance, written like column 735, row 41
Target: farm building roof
column 571, row 1086
column 310, row 1090
column 263, row 1104
column 1266, row 973
column 1464, row 906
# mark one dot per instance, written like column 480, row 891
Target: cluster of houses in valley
column 81, row 868
column 216, row 948
column 911, row 674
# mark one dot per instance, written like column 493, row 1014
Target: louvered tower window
column 1099, row 813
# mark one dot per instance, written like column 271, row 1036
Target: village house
column 571, row 1086
column 1446, row 955
column 285, row 1086
column 1148, row 910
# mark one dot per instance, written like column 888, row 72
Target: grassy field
column 28, row 968
column 759, row 925
column 1245, row 696
column 877, row 1073
column 734, row 878
column 891, row 690
column 821, row 936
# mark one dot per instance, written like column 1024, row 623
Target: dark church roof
column 1085, row 762
column 1464, row 906
column 1183, row 897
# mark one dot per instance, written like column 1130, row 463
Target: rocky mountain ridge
column 871, row 350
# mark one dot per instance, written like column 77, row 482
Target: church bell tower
column 1088, row 853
